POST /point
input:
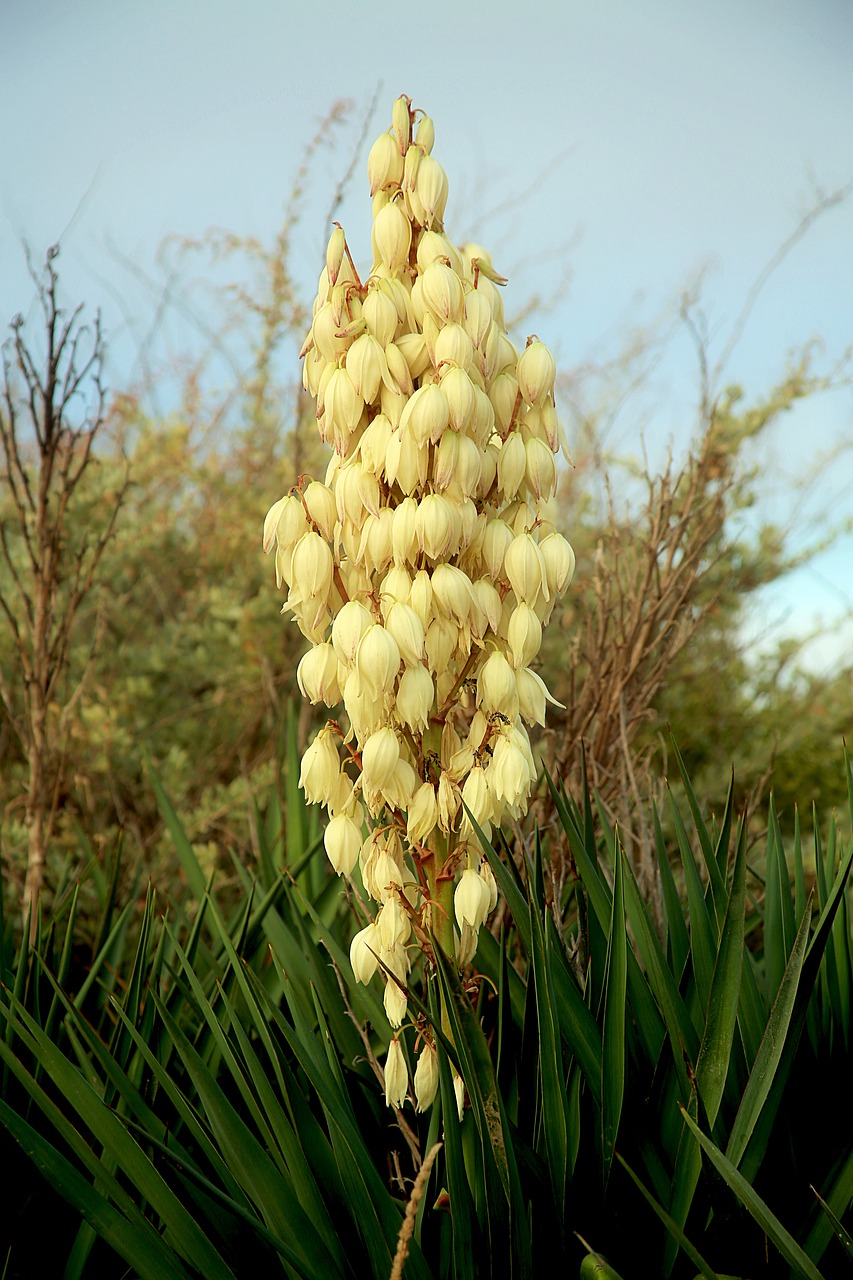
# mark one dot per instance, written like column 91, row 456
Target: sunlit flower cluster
column 423, row 569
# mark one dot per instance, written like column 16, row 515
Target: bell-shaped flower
column 379, row 757
column 426, row 1078
column 317, row 675
column 321, row 767
column 363, row 953
column 342, row 840
column 396, row 1075
column 471, row 899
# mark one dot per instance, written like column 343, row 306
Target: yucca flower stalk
column 422, row 569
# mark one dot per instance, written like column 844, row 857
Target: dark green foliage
column 643, row 1097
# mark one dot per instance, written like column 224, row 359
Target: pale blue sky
column 653, row 138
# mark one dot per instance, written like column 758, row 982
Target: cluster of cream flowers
column 422, row 569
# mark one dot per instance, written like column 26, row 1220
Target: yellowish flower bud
column 415, row 697
column 441, row 291
column 422, row 814
column 453, row 346
column 449, row 798
column 426, row 414
column 351, row 623
column 432, row 189
column 394, row 999
column 525, row 569
column 321, row 767
column 536, row 372
column 363, row 954
column 512, row 462
column 401, row 120
column 471, row 900
column 380, row 315
column 396, row 1076
column 426, row 1078
column 440, row 643
column 496, row 690
column 540, row 469
column 377, row 660
column 317, row 675
column 335, row 254
column 379, row 757
column 425, row 134
column 533, row 695
column 320, row 501
column 524, row 635
column 342, row 840
column 404, row 539
column 437, row 523
column 392, row 236
column 406, row 628
column 384, row 163
column 365, row 364
column 559, row 560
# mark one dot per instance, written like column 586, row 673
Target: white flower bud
column 524, row 634
column 496, row 689
column 404, row 540
column 420, row 596
column 426, row 413
column 397, row 376
column 320, row 501
column 540, row 469
column 503, row 394
column 342, row 840
column 396, row 1076
column 496, row 540
column 452, row 591
column 533, row 695
column 351, row 623
column 379, row 757
column 394, row 1000
column 512, row 461
column 525, row 569
column 441, row 291
column 271, row 523
column 440, row 642
column 471, row 900
column 453, row 346
column 477, row 798
column 459, row 391
column 317, row 675
column 425, row 134
column 377, row 660
column 396, row 587
column 559, row 561
column 414, row 351
column 365, row 364
column 426, row 1078
column 342, row 404
column 321, row 767
column 422, row 814
column 446, row 459
column 406, row 628
column 415, row 698
column 311, row 568
column 363, row 954
column 438, row 525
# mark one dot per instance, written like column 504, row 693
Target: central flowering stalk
column 422, row 569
